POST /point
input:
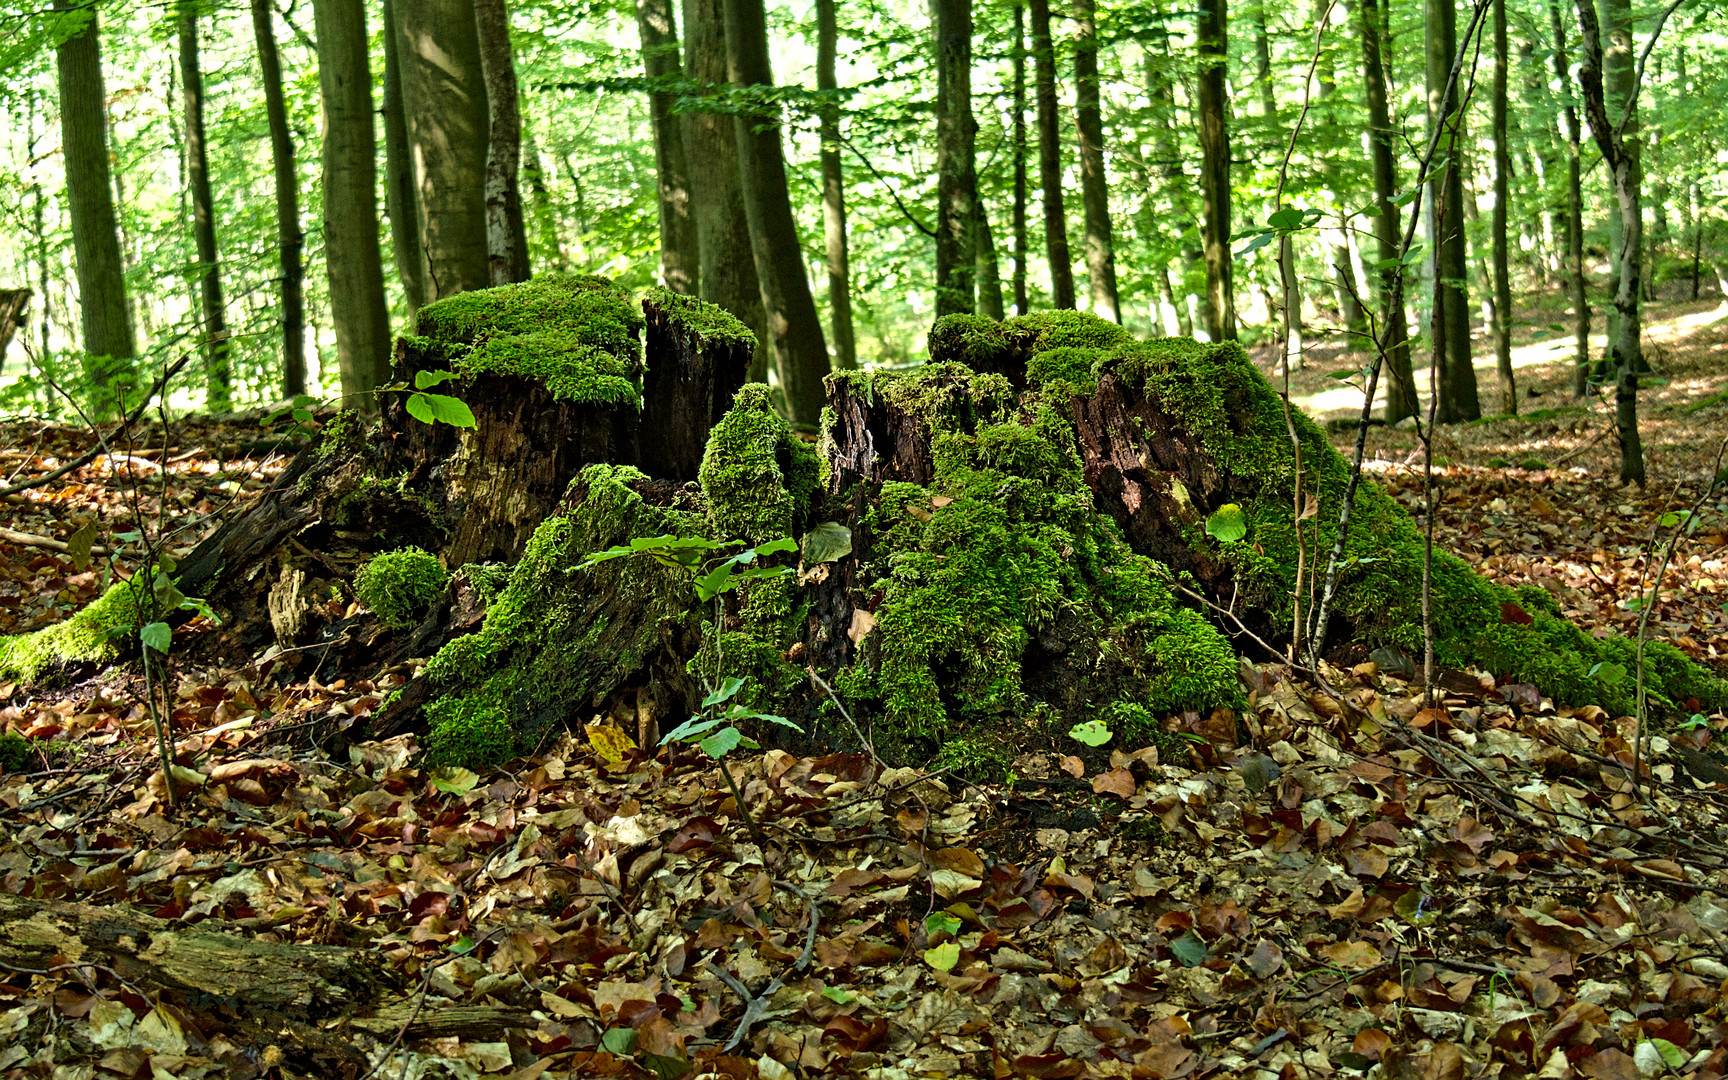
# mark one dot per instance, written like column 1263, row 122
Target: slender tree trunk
column 1617, row 69
column 506, row 232
column 218, row 369
column 989, row 267
column 1212, row 27
column 1394, row 334
column 1263, row 85
column 680, row 251
column 350, row 178
column 290, row 240
column 1572, row 134
column 800, row 354
column 1458, row 400
column 1344, row 277
column 400, row 199
column 1050, row 158
column 1094, row 181
column 444, row 91
column 1502, row 205
column 834, row 190
column 540, row 203
column 956, row 180
column 1020, row 245
column 728, row 272
column 106, row 319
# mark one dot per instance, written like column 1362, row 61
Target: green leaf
column 1343, row 374
column 302, row 415
column 619, row 1041
column 1091, row 732
column 79, row 543
column 455, row 781
column 839, row 995
column 1287, row 218
column 726, row 691
column 1371, row 210
column 826, row 543
column 1406, row 198
column 943, row 957
column 690, row 729
column 420, row 408
column 722, row 742
column 1227, row 523
column 714, row 582
column 1414, row 255
column 1189, row 949
column 1671, row 1054
column 427, row 379
column 449, row 410
column 940, row 922
column 1608, row 673
column 774, row 547
column 1256, row 244
column 158, row 636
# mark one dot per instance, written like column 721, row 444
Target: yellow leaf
column 610, row 743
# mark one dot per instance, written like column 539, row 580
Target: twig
column 756, row 1005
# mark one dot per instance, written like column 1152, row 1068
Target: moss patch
column 757, row 475
column 578, row 335
column 709, row 322
column 88, row 636
column 401, row 586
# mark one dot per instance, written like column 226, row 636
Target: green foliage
column 88, row 636
column 709, row 322
column 758, row 476
column 401, row 586
column 14, row 752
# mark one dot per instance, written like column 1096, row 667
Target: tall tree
column 104, row 315
column 956, row 181
column 800, row 354
column 1458, row 400
column 728, row 271
column 1020, row 241
column 350, row 179
column 1213, row 34
column 400, row 201
column 1606, row 78
column 989, row 269
column 506, row 232
column 1571, row 133
column 444, row 94
column 218, row 371
column 680, row 251
column 1050, row 158
column 834, row 189
column 1388, row 234
column 290, row 240
column 1094, row 183
column 1502, row 205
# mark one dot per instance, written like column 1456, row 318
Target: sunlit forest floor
column 1326, row 881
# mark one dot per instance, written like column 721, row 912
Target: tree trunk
column 400, row 201
column 680, row 251
column 506, row 232
column 795, row 331
column 351, row 258
column 989, row 268
column 956, row 180
column 1458, row 399
column 1094, row 182
column 290, row 240
column 1263, row 85
column 728, row 271
column 1502, row 206
column 1617, row 69
column 1212, row 32
column 218, row 369
column 834, row 191
column 444, row 92
column 106, row 318
column 13, row 303
column 1394, row 343
column 1020, row 240
column 1050, row 158
column 1345, row 291
column 1571, row 133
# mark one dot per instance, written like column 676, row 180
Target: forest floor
column 1336, row 880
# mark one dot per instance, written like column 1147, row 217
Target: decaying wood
column 12, row 304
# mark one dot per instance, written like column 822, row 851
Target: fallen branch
column 24, row 539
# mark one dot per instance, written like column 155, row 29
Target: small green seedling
column 1091, row 732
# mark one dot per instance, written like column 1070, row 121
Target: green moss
column 710, row 322
column 757, row 475
column 473, row 730
column 488, row 579
column 390, row 506
column 14, row 752
column 985, row 345
column 1066, row 365
column 344, row 433
column 88, row 636
column 401, row 586
column 578, row 335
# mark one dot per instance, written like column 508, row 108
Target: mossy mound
column 401, row 586
column 708, row 322
column 89, row 636
column 578, row 335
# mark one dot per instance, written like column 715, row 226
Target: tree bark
column 1617, row 69
column 1212, row 32
column 1094, row 181
column 351, row 257
column 400, row 201
column 728, row 271
column 1572, row 134
column 795, row 330
column 290, row 239
column 1502, row 201
column 506, row 232
column 218, row 368
column 1020, row 239
column 834, row 191
column 680, row 251
column 1263, row 85
column 989, row 267
column 444, row 91
column 1050, row 158
column 1458, row 398
column 106, row 319
column 956, row 180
